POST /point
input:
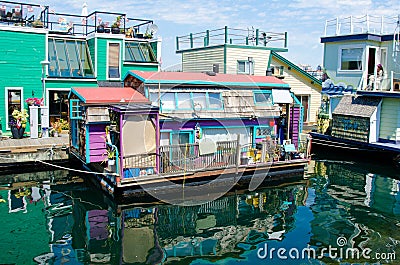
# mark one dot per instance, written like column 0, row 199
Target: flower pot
column 115, row 30
column 100, row 29
column 17, row 133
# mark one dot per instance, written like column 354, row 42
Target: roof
column 179, row 78
column 360, row 106
column 108, row 95
column 296, row 68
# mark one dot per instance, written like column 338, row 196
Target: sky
column 303, row 20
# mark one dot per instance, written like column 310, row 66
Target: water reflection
column 64, row 220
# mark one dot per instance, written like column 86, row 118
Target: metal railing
column 250, row 36
column 361, row 24
column 187, row 157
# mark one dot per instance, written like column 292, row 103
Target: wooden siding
column 203, row 60
column 295, row 125
column 351, row 127
column 97, row 142
column 260, row 59
column 21, row 54
column 302, row 86
column 92, row 51
column 390, row 119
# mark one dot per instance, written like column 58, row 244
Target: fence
column 187, row 157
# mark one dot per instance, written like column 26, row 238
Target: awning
column 281, row 96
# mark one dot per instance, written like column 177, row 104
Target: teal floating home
column 361, row 93
column 46, row 53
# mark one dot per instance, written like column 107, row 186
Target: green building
column 44, row 54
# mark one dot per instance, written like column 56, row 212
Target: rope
column 76, row 170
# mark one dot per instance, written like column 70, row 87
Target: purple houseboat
column 163, row 130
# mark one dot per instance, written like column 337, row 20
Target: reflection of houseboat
column 362, row 95
column 199, row 127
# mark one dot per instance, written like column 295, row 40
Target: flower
column 19, row 118
column 34, row 101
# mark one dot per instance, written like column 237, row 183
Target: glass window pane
column 14, row 102
column 133, row 53
column 241, row 67
column 199, row 101
column 184, row 101
column 263, row 98
column 85, row 59
column 53, row 67
column 62, row 58
column 168, row 101
column 153, row 97
column 351, row 59
column 215, row 100
column 113, row 60
column 73, row 58
column 147, row 52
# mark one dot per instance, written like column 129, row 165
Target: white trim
column 96, row 58
column 138, row 64
column 6, row 89
column 24, row 29
column 363, row 58
column 120, row 65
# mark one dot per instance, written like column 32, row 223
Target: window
column 351, row 59
column 184, row 101
column 139, row 52
column 168, row 101
column 246, row 67
column 262, row 131
column 113, row 60
column 262, row 98
column 75, row 110
column 69, row 59
column 214, row 101
column 14, row 101
column 58, row 105
column 199, row 101
column 188, row 100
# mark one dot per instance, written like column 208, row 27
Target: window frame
column 55, row 43
column 246, row 63
column 176, row 101
column 141, row 51
column 75, row 109
column 262, row 103
column 6, row 90
column 108, row 61
column 349, row 47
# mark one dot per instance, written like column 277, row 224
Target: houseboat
column 361, row 95
column 64, row 51
column 165, row 131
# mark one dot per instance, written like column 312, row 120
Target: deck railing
column 187, row 157
column 249, row 36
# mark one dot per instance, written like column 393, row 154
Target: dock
column 28, row 151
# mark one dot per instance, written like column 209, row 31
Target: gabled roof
column 296, row 68
column 360, row 106
column 109, row 95
column 186, row 78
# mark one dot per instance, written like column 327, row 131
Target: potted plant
column 56, row 128
column 100, row 28
column 18, row 123
column 115, row 26
column 34, row 101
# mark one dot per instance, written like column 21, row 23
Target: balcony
column 37, row 16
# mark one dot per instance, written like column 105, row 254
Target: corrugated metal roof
column 357, row 106
column 94, row 95
column 206, row 79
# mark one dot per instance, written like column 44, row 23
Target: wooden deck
column 28, row 144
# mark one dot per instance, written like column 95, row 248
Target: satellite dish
column 153, row 28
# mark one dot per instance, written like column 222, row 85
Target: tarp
column 281, row 96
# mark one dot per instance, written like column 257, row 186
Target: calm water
column 63, row 220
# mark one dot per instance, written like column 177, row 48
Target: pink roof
column 203, row 78
column 93, row 95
